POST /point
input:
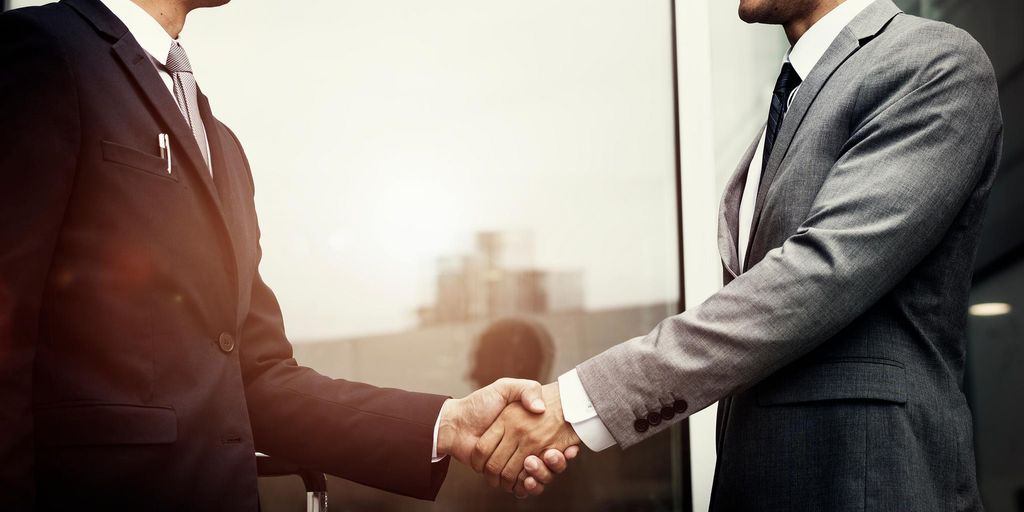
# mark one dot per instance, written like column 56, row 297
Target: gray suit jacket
column 839, row 355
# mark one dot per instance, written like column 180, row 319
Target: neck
column 169, row 13
column 796, row 28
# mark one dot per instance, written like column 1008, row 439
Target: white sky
column 383, row 134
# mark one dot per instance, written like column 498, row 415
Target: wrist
column 447, row 431
column 553, row 402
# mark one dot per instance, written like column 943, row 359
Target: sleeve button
column 641, row 425
column 654, row 419
column 668, row 412
column 680, row 406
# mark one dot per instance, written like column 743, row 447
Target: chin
column 766, row 11
column 748, row 11
column 199, row 4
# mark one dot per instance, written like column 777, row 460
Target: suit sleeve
column 39, row 138
column 906, row 172
column 375, row 436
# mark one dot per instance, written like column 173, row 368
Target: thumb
column 527, row 392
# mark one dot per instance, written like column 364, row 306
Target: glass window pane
column 444, row 187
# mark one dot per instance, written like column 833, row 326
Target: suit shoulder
column 44, row 21
column 913, row 51
column 40, row 32
column 919, row 41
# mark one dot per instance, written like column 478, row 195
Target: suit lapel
column 141, row 70
column 729, row 212
column 183, row 143
column 863, row 28
column 229, row 192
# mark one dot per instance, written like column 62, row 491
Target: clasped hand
column 513, row 432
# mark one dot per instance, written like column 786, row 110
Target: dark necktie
column 186, row 94
column 784, row 86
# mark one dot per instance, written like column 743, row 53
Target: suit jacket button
column 668, row 412
column 226, row 342
column 680, row 406
column 641, row 425
column 654, row 419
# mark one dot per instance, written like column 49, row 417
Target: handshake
column 512, row 431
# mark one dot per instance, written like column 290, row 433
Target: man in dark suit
column 143, row 360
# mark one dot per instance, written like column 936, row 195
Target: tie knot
column 177, row 60
column 788, row 80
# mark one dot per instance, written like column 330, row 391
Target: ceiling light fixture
column 990, row 309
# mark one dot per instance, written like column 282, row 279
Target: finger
column 500, row 459
column 521, row 485
column 528, row 485
column 486, row 445
column 521, row 492
column 555, row 461
column 527, row 392
column 538, row 470
column 571, row 452
column 533, row 487
column 510, row 473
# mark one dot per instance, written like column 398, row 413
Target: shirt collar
column 150, row 35
column 807, row 51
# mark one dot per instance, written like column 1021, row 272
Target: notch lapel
column 184, row 148
column 146, row 77
column 862, row 29
column 183, row 143
column 729, row 211
column 842, row 48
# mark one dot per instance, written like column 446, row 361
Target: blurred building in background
column 498, row 280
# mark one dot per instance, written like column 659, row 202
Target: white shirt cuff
column 433, row 452
column 580, row 413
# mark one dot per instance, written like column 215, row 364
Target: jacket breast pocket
column 136, row 160
column 840, row 379
column 94, row 424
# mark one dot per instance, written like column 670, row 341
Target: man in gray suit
column 847, row 235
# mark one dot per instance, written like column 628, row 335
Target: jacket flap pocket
column 845, row 379
column 134, row 158
column 104, row 424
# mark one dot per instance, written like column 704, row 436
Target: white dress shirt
column 153, row 39
column 804, row 55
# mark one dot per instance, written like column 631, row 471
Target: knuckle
column 492, row 468
column 509, row 475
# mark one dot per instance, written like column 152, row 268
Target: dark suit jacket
column 142, row 358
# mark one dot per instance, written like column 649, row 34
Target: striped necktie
column 788, row 81
column 186, row 94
